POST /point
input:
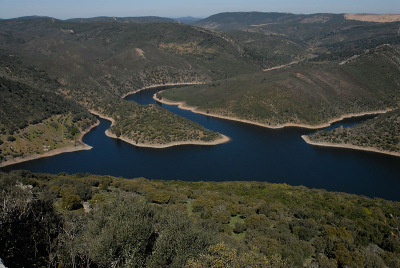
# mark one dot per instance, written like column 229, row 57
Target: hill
column 240, row 20
column 189, row 224
column 310, row 95
column 188, row 20
column 374, row 17
column 35, row 121
column 128, row 56
column 146, row 19
column 324, row 34
column 96, row 63
column 268, row 51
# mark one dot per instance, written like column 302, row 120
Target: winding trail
column 282, row 66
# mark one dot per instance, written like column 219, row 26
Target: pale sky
column 65, row 9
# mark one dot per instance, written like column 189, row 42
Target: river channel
column 253, row 154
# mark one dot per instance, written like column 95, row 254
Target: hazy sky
column 64, row 9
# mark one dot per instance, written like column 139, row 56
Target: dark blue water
column 254, row 153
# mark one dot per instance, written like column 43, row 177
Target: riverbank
column 160, row 85
column 182, row 105
column 67, row 149
column 108, row 133
column 347, row 146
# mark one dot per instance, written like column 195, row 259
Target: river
column 254, row 154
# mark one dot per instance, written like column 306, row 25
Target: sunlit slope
column 122, row 56
column 32, row 119
column 330, row 36
column 96, row 63
column 310, row 94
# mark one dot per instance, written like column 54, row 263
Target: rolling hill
column 307, row 94
column 323, row 33
column 320, row 67
column 96, row 63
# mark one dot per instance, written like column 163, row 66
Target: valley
column 244, row 139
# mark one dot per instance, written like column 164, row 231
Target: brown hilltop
column 373, row 17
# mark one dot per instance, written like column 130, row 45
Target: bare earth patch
column 140, row 53
column 373, row 17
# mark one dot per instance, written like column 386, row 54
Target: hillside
column 380, row 134
column 96, row 63
column 34, row 121
column 374, row 17
column 146, row 19
column 308, row 94
column 97, row 221
column 241, row 20
column 269, row 51
column 325, row 34
column 122, row 56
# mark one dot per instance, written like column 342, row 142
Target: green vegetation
column 139, row 223
column 34, row 121
column 382, row 133
column 23, row 105
column 53, row 71
column 329, row 36
column 152, row 124
column 95, row 63
column 145, row 19
column 269, row 51
column 309, row 93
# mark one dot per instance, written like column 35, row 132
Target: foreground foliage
column 137, row 223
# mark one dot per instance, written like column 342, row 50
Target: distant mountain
column 188, row 20
column 124, row 19
column 343, row 35
column 242, row 20
column 33, row 17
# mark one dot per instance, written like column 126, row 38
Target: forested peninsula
column 381, row 135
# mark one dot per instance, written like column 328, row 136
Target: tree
column 117, row 132
column 221, row 255
column 29, row 225
column 71, row 201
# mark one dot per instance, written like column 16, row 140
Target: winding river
column 254, row 153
